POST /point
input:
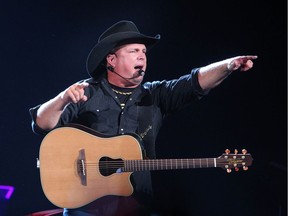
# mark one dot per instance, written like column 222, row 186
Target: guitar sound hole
column 108, row 166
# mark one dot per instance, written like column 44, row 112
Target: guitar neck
column 168, row 164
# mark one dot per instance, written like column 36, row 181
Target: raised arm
column 49, row 113
column 213, row 74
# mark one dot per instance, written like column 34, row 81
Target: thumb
column 233, row 65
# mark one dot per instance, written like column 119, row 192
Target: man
column 114, row 101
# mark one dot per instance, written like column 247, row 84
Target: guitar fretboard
column 168, row 164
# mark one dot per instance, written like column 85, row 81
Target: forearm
column 212, row 75
column 49, row 113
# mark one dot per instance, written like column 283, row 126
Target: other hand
column 75, row 93
column 243, row 63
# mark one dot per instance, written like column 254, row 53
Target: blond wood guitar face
column 68, row 187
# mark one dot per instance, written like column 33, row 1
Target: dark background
column 43, row 49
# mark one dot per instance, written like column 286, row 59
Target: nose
column 141, row 56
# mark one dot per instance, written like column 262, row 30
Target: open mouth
column 139, row 67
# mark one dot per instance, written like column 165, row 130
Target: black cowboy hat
column 121, row 32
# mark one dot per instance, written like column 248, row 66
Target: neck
column 122, row 83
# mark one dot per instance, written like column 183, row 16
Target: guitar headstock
column 234, row 161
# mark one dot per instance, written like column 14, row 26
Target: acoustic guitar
column 79, row 165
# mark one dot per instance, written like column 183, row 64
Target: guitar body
column 60, row 156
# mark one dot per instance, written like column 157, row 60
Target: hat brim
column 101, row 50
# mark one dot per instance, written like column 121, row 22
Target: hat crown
column 119, row 27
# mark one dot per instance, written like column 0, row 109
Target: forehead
column 132, row 46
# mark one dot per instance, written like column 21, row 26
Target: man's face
column 128, row 60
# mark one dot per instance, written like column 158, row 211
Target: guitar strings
column 184, row 163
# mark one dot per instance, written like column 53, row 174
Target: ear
column 110, row 59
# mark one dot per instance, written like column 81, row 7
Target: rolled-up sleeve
column 195, row 83
column 35, row 128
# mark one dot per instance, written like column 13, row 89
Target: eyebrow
column 138, row 49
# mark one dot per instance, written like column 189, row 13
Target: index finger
column 83, row 85
column 251, row 57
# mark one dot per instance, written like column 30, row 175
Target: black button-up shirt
column 143, row 113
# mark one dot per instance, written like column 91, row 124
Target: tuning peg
column 227, row 151
column 244, row 151
column 236, row 151
column 245, row 168
column 236, row 169
column 228, row 170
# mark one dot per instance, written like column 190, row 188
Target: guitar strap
column 145, row 125
column 146, row 131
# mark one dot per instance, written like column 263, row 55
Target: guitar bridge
column 81, row 167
